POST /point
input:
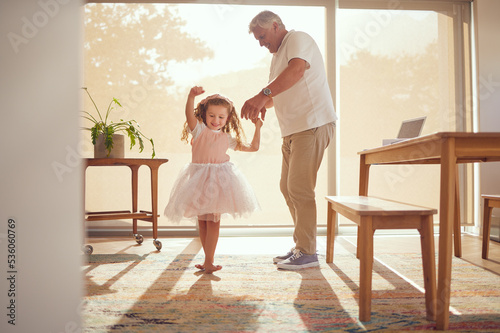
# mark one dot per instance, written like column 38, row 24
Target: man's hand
column 254, row 106
column 290, row 76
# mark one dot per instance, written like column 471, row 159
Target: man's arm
column 291, row 75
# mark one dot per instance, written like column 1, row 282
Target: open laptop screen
column 411, row 128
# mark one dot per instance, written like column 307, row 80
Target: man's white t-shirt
column 308, row 103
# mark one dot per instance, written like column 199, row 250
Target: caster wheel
column 157, row 244
column 88, row 249
column 139, row 239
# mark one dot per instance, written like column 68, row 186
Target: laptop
column 410, row 128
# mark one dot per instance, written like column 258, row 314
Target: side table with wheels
column 150, row 216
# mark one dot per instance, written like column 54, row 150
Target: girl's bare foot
column 209, row 269
column 200, row 267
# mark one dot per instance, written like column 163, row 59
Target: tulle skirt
column 210, row 190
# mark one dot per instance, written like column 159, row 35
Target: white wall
column 488, row 47
column 40, row 175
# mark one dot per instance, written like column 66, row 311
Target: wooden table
column 134, row 214
column 447, row 149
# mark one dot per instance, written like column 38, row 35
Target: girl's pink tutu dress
column 210, row 185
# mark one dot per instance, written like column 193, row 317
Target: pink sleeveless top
column 211, row 185
column 210, row 147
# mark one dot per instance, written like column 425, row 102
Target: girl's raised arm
column 190, row 118
column 254, row 146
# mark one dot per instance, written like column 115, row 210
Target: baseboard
column 230, row 231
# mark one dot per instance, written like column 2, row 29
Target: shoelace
column 296, row 254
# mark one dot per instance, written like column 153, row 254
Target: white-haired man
column 298, row 89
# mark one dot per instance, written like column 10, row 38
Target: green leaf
column 152, row 144
column 108, row 138
column 94, row 133
column 95, row 105
column 132, row 136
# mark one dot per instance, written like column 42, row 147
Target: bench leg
column 429, row 265
column 365, row 251
column 357, row 242
column 331, row 226
column 487, row 210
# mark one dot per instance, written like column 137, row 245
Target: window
column 400, row 60
column 148, row 56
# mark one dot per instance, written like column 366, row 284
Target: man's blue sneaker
column 299, row 260
column 278, row 259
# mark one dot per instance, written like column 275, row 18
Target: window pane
column 148, row 56
column 394, row 65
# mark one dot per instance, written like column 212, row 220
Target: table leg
column 364, row 173
column 364, row 176
column 446, row 220
column 135, row 190
column 154, row 200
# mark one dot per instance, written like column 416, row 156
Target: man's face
column 268, row 37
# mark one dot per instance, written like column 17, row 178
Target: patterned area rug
column 165, row 292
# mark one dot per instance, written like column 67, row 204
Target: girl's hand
column 258, row 122
column 195, row 91
column 190, row 117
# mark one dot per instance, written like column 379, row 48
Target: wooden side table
column 150, row 216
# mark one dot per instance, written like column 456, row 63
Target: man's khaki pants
column 302, row 156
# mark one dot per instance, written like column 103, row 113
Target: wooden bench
column 370, row 214
column 490, row 202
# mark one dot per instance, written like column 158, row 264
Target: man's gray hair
column 265, row 19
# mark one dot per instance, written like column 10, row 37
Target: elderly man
column 298, row 90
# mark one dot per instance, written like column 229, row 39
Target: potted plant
column 102, row 130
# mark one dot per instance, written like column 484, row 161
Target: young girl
column 210, row 185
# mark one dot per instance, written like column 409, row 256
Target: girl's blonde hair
column 233, row 124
